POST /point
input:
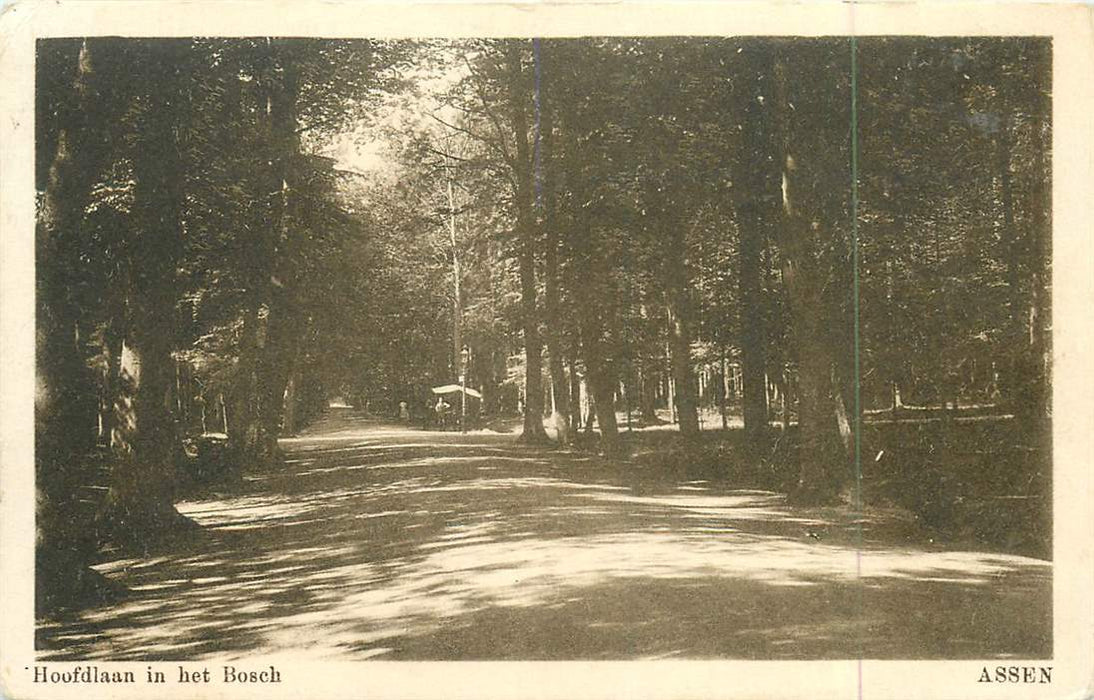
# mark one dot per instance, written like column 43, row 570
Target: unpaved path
column 376, row 541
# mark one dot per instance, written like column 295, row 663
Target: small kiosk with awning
column 463, row 406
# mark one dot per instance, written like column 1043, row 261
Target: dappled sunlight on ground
column 375, row 541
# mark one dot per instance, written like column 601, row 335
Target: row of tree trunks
column 647, row 391
column 136, row 396
column 681, row 314
column 599, row 381
column 597, row 363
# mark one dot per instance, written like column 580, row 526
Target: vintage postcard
column 549, row 350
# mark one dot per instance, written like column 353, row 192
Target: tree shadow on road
column 448, row 546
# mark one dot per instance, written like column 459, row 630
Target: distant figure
column 442, row 412
column 404, row 412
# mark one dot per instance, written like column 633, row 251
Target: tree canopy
column 232, row 232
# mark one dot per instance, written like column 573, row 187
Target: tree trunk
column 242, row 429
column 723, row 389
column 1035, row 409
column 681, row 316
column 282, row 342
column 807, row 209
column 64, row 406
column 457, row 275
column 590, row 408
column 786, row 399
column 1040, row 351
column 533, row 348
column 599, row 380
column 602, row 383
column 263, row 373
column 757, row 209
column 289, row 422
column 647, row 410
column 144, row 485
column 560, row 408
column 754, row 210
column 575, row 393
column 141, row 498
column 1013, row 386
column 670, row 385
column 113, row 339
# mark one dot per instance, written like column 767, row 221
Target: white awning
column 455, row 389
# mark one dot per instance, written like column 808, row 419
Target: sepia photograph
column 519, row 347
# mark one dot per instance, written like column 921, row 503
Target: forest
column 819, row 265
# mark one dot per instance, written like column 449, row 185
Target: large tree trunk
column 602, row 383
column 601, row 379
column 241, row 416
column 283, row 332
column 141, row 500
column 64, row 403
column 242, row 430
column 755, row 208
column 283, row 340
column 560, row 407
column 263, row 367
column 65, row 399
column 533, row 347
column 290, row 422
column 825, row 432
column 812, row 203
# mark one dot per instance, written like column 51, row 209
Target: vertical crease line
column 858, row 336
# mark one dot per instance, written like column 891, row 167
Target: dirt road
column 376, row 541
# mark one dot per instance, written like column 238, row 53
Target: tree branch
column 478, row 137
